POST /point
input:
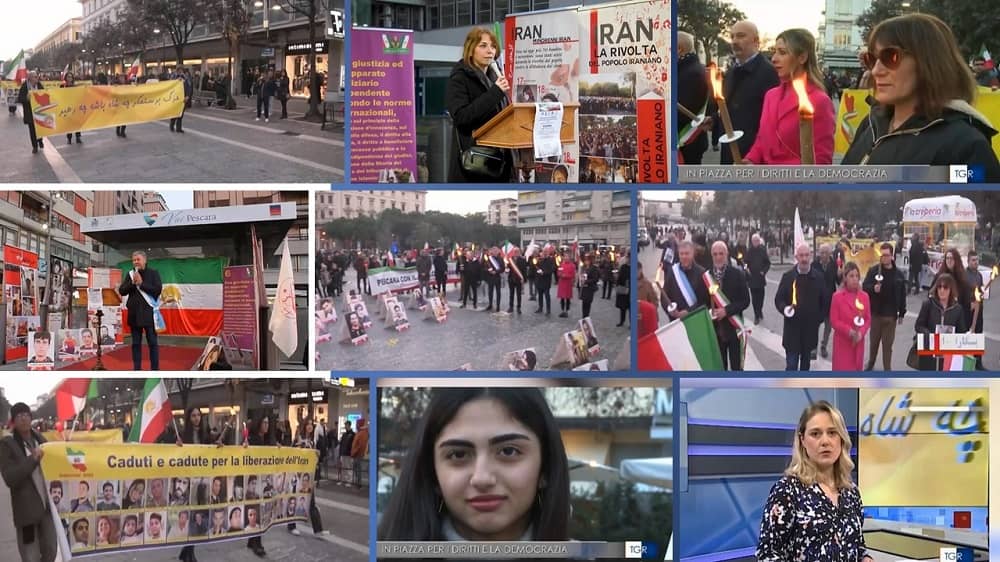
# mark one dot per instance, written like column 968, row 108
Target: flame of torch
column 979, row 295
column 715, row 77
column 806, row 112
column 795, row 293
column 859, row 305
column 994, row 272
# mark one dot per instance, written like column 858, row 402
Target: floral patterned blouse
column 801, row 524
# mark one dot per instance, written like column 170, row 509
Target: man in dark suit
column 494, row 267
column 544, row 272
column 692, row 273
column 140, row 283
column 757, row 265
column 744, row 86
column 733, row 284
column 470, row 269
column 800, row 335
column 831, row 272
column 918, row 258
column 692, row 93
column 20, row 455
column 24, row 98
column 515, row 279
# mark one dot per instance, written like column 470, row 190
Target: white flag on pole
column 284, row 331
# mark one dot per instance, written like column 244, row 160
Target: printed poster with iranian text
column 383, row 107
column 85, row 108
column 624, row 92
column 141, row 497
column 542, row 61
column 20, row 294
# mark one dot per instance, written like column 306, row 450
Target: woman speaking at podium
column 814, row 512
column 486, row 464
column 923, row 111
column 476, row 92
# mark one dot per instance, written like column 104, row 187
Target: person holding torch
column 797, row 120
column 851, row 318
column 886, row 288
column 801, row 297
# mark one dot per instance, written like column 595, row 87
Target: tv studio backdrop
column 923, row 475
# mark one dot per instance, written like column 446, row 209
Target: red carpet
column 172, row 358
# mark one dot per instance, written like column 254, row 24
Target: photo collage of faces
column 105, row 514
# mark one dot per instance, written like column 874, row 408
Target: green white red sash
column 719, row 300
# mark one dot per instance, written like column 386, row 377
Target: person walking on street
column 975, row 280
column 802, row 294
column 346, row 441
column 195, row 432
column 284, row 92
column 142, row 287
column 359, row 450
column 20, row 458
column 68, row 82
column 757, row 266
column 886, row 289
column 177, row 123
column 260, row 436
column 268, row 89
column 24, row 99
column 918, row 259
column 306, row 439
column 622, row 290
column 589, row 277
column 831, row 273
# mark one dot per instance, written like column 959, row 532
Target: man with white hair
column 731, row 286
column 801, row 296
column 692, row 93
column 142, row 287
column 758, row 264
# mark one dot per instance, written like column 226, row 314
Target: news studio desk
column 913, row 542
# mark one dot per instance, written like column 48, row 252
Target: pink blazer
column 778, row 138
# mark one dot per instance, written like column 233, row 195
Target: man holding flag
column 685, row 290
column 727, row 287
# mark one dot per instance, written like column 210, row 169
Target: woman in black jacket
column 622, row 291
column 941, row 309
column 284, row 92
column 473, row 96
column 923, row 93
column 954, row 267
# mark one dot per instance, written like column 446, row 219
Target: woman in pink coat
column 564, row 292
column 777, row 141
column 848, row 337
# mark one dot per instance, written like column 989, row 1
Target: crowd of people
column 607, row 140
column 922, row 96
column 20, row 455
column 488, row 270
column 603, row 105
column 820, row 295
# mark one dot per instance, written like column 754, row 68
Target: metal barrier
column 345, row 471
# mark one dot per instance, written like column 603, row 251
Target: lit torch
column 790, row 309
column 806, row 112
column 731, row 136
column 978, row 295
column 859, row 320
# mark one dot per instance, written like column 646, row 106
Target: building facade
column 298, row 234
column 840, row 38
column 48, row 222
column 591, row 217
column 68, row 32
column 332, row 205
column 152, row 202
column 503, row 212
column 108, row 203
column 94, row 11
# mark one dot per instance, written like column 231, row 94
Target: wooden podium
column 513, row 127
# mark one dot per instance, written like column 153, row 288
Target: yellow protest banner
column 84, row 108
column 863, row 251
column 854, row 109
column 118, row 497
column 99, row 436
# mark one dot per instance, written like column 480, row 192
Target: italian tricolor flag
column 72, row 395
column 688, row 344
column 191, row 301
column 956, row 362
column 153, row 413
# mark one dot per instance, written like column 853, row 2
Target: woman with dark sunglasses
column 923, row 93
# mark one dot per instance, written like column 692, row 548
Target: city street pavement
column 344, row 512
column 468, row 336
column 218, row 146
column 765, row 339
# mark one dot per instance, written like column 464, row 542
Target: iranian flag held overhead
column 688, row 344
column 153, row 413
column 72, row 395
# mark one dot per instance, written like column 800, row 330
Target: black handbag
column 485, row 162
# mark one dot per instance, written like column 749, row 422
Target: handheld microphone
column 496, row 69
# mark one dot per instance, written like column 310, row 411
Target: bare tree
column 233, row 19
column 177, row 18
column 314, row 10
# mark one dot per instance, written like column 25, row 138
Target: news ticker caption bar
column 513, row 550
column 831, row 174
